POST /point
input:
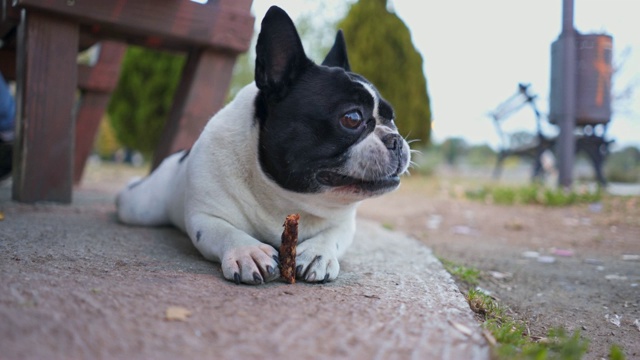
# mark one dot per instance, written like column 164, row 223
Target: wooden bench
column 45, row 37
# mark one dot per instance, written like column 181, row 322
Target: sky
column 476, row 52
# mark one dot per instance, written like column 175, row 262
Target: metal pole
column 567, row 121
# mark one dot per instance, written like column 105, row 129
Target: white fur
column 368, row 159
column 232, row 211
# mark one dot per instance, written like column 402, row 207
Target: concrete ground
column 76, row 284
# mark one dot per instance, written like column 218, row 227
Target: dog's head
column 323, row 129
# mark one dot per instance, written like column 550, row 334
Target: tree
column 453, row 149
column 142, row 100
column 106, row 143
column 380, row 48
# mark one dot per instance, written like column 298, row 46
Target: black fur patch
column 198, row 235
column 184, row 156
column 137, row 183
column 300, row 106
column 301, row 133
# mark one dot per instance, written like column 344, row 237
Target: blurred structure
column 580, row 95
column 531, row 147
column 589, row 138
column 580, row 105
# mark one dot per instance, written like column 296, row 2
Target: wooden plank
column 200, row 93
column 47, row 51
column 90, row 112
column 220, row 24
column 8, row 64
column 104, row 75
column 9, row 18
column 97, row 83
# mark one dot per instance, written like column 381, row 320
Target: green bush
column 106, row 143
column 532, row 195
column 142, row 100
column 623, row 166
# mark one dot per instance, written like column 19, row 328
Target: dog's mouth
column 337, row 180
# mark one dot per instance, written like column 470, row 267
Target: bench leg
column 46, row 83
column 497, row 170
column 596, row 149
column 90, row 111
column 202, row 90
column 97, row 83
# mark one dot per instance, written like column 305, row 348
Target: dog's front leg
column 242, row 257
column 317, row 257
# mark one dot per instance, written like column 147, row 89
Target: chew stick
column 288, row 248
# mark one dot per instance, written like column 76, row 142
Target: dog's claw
column 270, row 270
column 257, row 278
column 311, row 277
column 236, row 278
column 316, row 264
column 276, row 259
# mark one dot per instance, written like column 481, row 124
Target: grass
column 388, row 226
column 615, row 353
column 510, row 336
column 468, row 275
column 533, row 194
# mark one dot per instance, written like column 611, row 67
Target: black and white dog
column 303, row 138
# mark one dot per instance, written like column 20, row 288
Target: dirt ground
column 75, row 284
column 591, row 285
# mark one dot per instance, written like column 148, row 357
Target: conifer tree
column 141, row 102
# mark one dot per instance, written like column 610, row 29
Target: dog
column 302, row 138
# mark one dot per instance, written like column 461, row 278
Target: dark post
column 567, row 120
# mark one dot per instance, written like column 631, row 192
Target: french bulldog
column 302, row 138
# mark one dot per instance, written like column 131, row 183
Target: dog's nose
column 392, row 141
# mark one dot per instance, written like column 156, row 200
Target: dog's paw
column 251, row 264
column 316, row 263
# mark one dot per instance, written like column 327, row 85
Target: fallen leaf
column 546, row 259
column 489, row 336
column 514, row 225
column 1, row 216
column 615, row 277
column 462, row 328
column 177, row 313
column 461, row 230
column 531, row 254
column 562, row 252
column 499, row 275
column 615, row 319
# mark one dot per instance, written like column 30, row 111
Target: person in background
column 7, row 127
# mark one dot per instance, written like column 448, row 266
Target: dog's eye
column 351, row 120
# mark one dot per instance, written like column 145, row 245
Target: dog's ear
column 337, row 56
column 280, row 57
